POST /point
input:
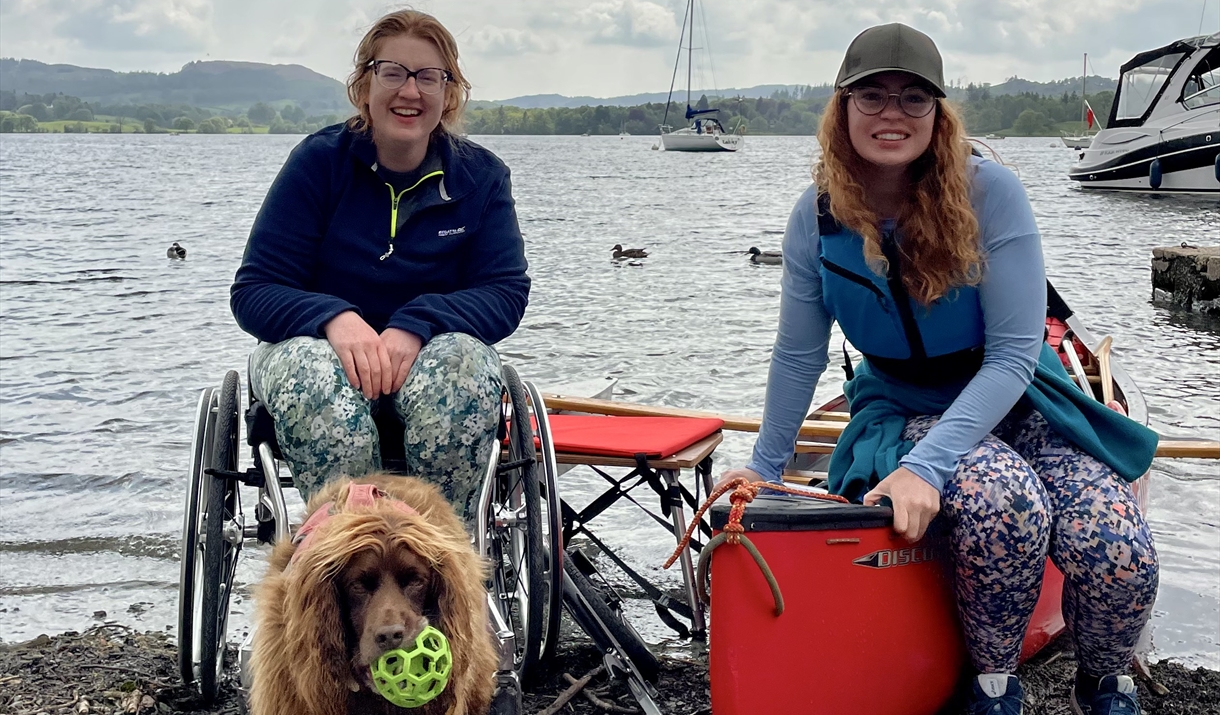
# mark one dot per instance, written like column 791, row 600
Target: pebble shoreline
column 114, row 669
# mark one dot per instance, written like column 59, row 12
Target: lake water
column 105, row 344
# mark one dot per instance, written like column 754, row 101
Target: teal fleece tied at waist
column 871, row 445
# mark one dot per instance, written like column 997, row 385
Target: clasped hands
column 914, row 501
column 375, row 364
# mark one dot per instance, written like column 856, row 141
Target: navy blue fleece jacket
column 319, row 244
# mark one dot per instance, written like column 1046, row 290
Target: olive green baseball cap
column 892, row 48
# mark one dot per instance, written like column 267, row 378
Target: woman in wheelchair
column 365, row 302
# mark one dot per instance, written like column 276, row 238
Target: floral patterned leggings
column 1024, row 493
column 449, row 406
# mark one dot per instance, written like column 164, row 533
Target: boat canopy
column 1145, row 76
column 1203, row 85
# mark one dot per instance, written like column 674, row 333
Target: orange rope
column 744, row 492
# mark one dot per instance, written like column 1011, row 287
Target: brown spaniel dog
column 376, row 564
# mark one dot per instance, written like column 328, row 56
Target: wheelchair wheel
column 552, row 525
column 597, row 609
column 516, row 543
column 222, row 530
column 211, row 539
column 205, row 422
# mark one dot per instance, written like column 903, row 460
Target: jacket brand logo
column 451, row 231
column 887, row 558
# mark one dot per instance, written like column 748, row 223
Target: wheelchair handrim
column 188, row 566
column 552, row 525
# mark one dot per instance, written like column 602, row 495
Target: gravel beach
column 114, row 669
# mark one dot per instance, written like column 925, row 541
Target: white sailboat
column 705, row 132
column 1086, row 114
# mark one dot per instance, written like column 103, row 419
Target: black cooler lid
column 791, row 513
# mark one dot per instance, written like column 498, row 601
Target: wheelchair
column 518, row 529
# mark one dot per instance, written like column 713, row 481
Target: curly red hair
column 940, row 245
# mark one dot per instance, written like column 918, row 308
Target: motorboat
column 705, row 132
column 1163, row 134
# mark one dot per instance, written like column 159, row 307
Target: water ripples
column 106, row 343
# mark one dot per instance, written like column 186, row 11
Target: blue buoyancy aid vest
column 924, row 345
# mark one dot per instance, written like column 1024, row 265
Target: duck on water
column 772, row 258
column 620, row 252
column 175, row 251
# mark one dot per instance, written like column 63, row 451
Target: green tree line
column 796, row 111
column 784, row 112
column 1025, row 114
column 1028, row 114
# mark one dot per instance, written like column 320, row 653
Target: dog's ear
column 461, row 598
column 316, row 640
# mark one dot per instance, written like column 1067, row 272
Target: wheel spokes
column 510, row 556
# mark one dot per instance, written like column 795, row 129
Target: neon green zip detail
column 395, row 198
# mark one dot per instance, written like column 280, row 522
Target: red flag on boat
column 1088, row 114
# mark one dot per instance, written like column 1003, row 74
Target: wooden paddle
column 1199, row 449
column 1102, row 353
column 734, row 423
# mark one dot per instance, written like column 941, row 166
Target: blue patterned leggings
column 1022, row 493
column 449, row 407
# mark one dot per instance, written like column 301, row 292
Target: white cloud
column 508, row 41
column 125, row 25
column 604, row 47
column 630, row 22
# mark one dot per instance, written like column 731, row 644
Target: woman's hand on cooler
column 361, row 351
column 739, row 473
column 403, row 347
column 914, row 501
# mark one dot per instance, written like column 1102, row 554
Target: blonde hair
column 940, row 246
column 413, row 24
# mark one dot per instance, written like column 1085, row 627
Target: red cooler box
column 870, row 625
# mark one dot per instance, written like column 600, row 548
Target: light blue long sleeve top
column 1012, row 295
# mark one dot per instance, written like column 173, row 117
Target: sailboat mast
column 690, row 41
column 1084, row 79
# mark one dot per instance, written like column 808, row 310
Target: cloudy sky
column 606, row 47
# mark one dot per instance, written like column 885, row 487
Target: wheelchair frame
column 517, row 527
column 520, row 527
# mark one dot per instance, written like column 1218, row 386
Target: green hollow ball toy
column 411, row 678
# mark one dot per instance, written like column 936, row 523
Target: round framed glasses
column 391, row 75
column 915, row 102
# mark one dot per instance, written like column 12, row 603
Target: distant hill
column 542, row 101
column 1014, row 85
column 237, row 85
column 201, row 84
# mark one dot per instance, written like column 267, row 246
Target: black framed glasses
column 915, row 102
column 391, row 75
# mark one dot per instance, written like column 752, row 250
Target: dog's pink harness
column 358, row 496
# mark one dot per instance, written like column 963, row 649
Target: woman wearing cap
column 930, row 261
column 385, row 260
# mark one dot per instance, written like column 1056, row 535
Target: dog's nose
column 390, row 637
